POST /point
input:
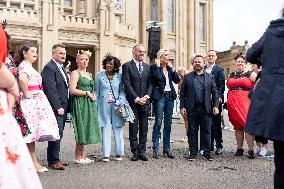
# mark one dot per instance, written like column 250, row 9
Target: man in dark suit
column 219, row 77
column 198, row 93
column 137, row 81
column 55, row 85
column 164, row 94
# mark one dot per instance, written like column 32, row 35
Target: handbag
column 122, row 110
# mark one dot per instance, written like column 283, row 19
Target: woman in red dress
column 239, row 84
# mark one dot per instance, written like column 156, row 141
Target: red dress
column 238, row 102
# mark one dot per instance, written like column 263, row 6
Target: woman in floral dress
column 36, row 108
column 17, row 170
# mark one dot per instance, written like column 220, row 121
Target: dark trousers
column 53, row 148
column 260, row 139
column 216, row 130
column 279, row 164
column 199, row 117
column 140, row 124
column 164, row 106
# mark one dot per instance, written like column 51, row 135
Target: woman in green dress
column 84, row 113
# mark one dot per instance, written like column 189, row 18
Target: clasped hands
column 142, row 100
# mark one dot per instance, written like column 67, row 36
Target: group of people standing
column 44, row 99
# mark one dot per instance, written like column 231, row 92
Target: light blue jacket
column 106, row 111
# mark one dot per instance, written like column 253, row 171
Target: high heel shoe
column 169, row 154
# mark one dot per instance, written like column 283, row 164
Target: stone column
column 210, row 25
column 49, row 29
column 107, row 24
column 163, row 17
column 196, row 26
column 190, row 32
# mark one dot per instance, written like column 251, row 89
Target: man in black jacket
column 218, row 73
column 198, row 93
column 55, row 86
column 138, row 86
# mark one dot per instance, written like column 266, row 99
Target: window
column 118, row 5
column 202, row 22
column 154, row 10
column 170, row 16
column 68, row 3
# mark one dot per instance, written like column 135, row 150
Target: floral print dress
column 16, row 167
column 17, row 110
column 37, row 110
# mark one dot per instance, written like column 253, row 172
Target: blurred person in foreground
column 266, row 115
column 83, row 108
column 17, row 169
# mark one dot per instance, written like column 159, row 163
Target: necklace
column 110, row 77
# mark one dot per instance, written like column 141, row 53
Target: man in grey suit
column 137, row 82
column 198, row 93
column 55, row 86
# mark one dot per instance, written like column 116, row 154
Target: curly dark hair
column 241, row 55
column 21, row 50
column 116, row 62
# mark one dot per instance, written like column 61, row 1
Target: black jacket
column 187, row 94
column 159, row 82
column 265, row 115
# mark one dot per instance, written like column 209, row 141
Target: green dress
column 84, row 114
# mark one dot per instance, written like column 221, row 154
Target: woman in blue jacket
column 163, row 96
column 109, row 91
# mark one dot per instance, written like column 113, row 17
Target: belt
column 34, row 87
column 239, row 88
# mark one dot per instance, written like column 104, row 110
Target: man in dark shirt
column 198, row 93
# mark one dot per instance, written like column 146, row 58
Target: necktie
column 140, row 68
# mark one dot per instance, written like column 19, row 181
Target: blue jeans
column 164, row 106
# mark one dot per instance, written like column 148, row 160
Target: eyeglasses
column 240, row 62
column 140, row 51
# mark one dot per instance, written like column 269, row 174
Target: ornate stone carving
column 73, row 36
column 124, row 41
column 25, row 32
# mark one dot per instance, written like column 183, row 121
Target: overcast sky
column 240, row 20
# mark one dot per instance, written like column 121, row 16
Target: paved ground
column 225, row 171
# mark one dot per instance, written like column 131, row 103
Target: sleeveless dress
column 17, row 110
column 238, row 103
column 16, row 167
column 84, row 114
column 37, row 111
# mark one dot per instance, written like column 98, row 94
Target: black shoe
column 143, row 157
column 218, row 151
column 208, row 157
column 135, row 157
column 169, row 154
column 251, row 154
column 156, row 155
column 239, row 152
column 191, row 157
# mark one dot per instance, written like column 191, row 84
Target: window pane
column 154, row 10
column 202, row 22
column 68, row 3
column 171, row 15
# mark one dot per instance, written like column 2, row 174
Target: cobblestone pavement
column 226, row 171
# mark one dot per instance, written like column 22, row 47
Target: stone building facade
column 109, row 26
column 226, row 58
